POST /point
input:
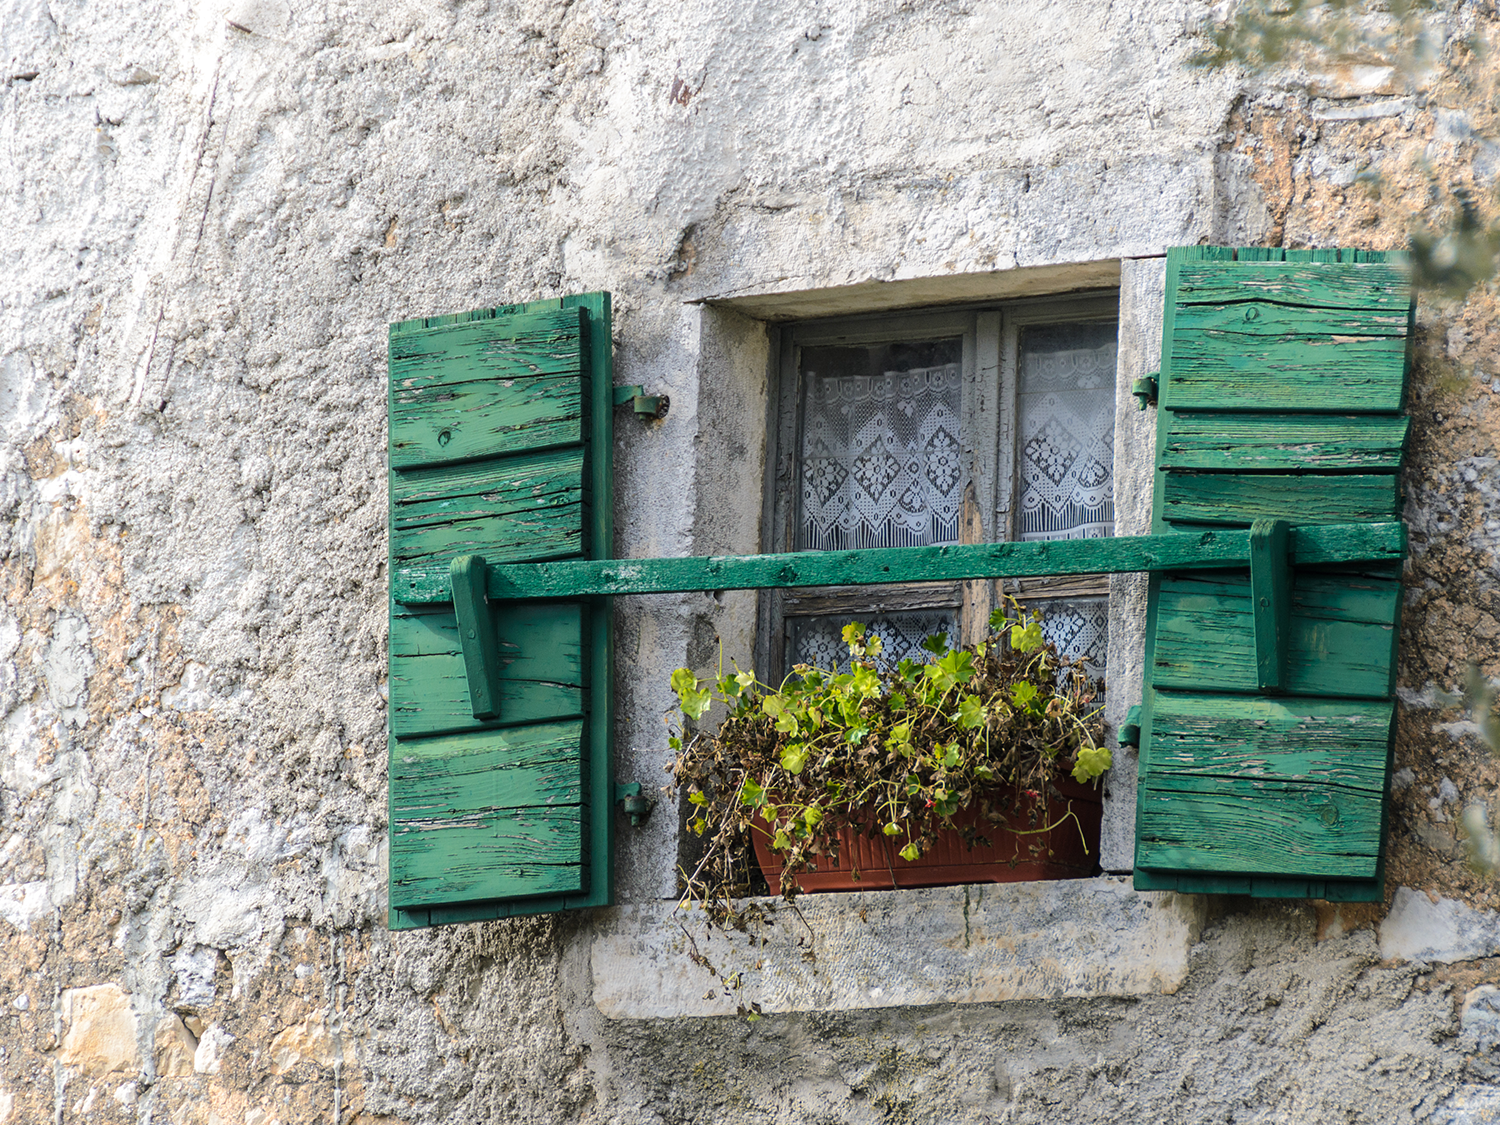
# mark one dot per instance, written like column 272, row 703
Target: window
column 1268, row 694
column 948, row 427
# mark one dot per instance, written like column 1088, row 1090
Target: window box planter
column 867, row 863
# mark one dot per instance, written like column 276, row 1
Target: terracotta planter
column 1010, row 858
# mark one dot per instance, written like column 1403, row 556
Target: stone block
column 1479, row 1019
column 100, row 1035
column 1470, row 1105
column 974, row 944
column 1419, row 929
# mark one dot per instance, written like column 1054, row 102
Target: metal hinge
column 1145, row 390
column 645, row 406
column 635, row 804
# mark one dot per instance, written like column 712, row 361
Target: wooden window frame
column 991, row 334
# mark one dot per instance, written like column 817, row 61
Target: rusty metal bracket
column 646, row 407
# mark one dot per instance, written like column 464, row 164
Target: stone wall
column 210, row 212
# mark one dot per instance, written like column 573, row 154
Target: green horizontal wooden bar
column 1217, row 549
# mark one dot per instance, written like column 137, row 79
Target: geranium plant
column 885, row 748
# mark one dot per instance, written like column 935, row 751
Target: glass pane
column 819, row 640
column 1078, row 627
column 880, row 446
column 1066, row 407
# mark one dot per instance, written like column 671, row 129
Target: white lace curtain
column 1066, row 408
column 880, row 459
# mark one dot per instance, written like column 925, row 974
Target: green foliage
column 882, row 749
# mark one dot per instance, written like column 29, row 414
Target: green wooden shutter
column 1280, row 398
column 500, row 440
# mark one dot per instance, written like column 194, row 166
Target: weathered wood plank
column 487, row 815
column 1333, row 374
column 1259, row 827
column 1374, row 542
column 1375, row 286
column 1239, row 499
column 1340, row 742
column 1342, row 635
column 542, row 672
column 1301, row 442
column 506, row 509
column 1253, row 322
column 482, row 387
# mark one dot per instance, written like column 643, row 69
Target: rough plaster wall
column 210, row 210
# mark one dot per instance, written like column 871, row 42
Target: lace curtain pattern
column 880, row 447
column 1066, row 425
column 819, row 641
column 1078, row 627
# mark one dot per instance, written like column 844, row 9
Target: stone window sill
column 945, row 945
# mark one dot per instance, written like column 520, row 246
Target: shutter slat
column 1235, row 500
column 1285, row 442
column 1378, row 287
column 487, row 815
column 515, row 509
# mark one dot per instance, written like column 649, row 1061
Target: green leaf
column 794, row 758
column 910, row 853
column 1023, row 693
column 751, row 793
column 745, row 679
column 1028, row 637
column 874, row 646
column 1092, row 762
column 892, row 829
column 953, row 668
column 997, row 619
column 951, row 755
column 695, row 703
column 812, row 816
column 697, row 797
column 970, row 713
column 937, row 644
column 772, row 705
column 853, row 633
column 683, row 681
column 865, row 682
